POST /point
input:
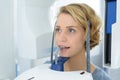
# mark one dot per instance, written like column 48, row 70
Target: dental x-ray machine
column 44, row 72
column 111, row 55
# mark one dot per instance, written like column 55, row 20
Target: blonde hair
column 84, row 15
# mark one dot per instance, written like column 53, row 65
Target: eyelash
column 57, row 30
column 70, row 30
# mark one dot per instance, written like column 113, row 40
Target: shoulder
column 100, row 74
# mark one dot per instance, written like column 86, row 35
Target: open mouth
column 63, row 48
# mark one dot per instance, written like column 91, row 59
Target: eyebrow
column 71, row 26
column 67, row 26
column 75, row 27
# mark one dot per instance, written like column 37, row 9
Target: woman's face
column 69, row 36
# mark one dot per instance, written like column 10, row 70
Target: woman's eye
column 57, row 30
column 71, row 30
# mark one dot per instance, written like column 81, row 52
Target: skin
column 70, row 41
column 69, row 34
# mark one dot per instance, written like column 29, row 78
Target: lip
column 63, row 48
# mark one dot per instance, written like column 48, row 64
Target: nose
column 62, row 37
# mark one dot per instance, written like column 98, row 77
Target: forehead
column 66, row 19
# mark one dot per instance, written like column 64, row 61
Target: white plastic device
column 115, row 41
column 115, row 52
column 43, row 72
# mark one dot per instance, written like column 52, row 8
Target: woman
column 70, row 35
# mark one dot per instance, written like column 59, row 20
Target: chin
column 64, row 55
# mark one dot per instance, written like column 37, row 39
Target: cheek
column 56, row 39
column 79, row 42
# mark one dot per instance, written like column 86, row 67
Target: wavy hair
column 84, row 14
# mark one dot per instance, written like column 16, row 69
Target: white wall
column 7, row 62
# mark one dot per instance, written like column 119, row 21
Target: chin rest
column 43, row 72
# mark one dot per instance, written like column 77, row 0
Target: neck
column 77, row 62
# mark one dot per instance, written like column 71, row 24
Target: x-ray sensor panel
column 111, row 35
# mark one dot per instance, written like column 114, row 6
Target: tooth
column 62, row 47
